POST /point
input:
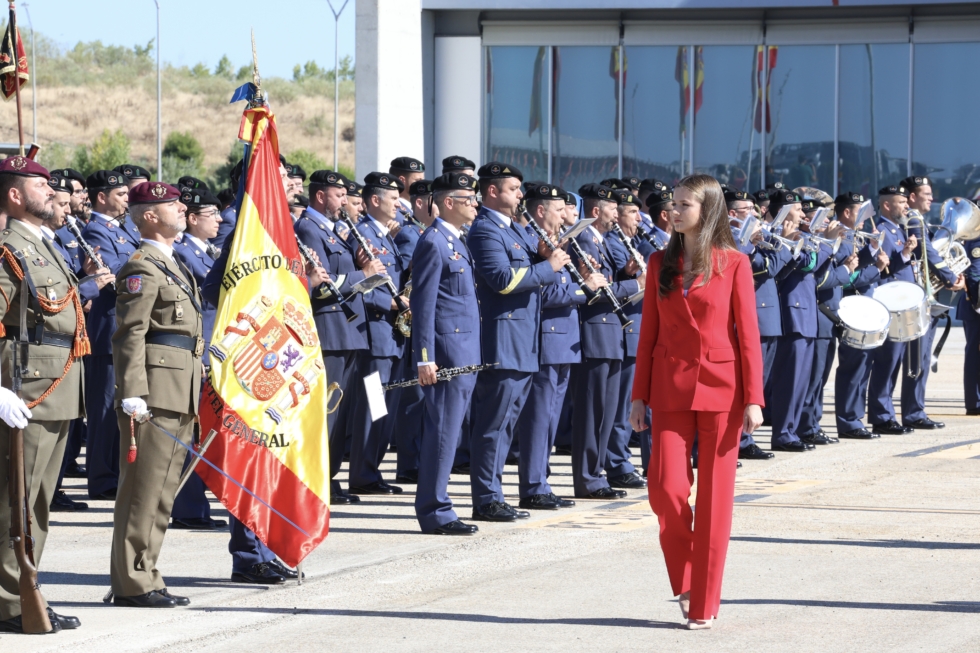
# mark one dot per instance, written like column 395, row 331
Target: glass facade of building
column 839, row 117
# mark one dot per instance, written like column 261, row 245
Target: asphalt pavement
column 857, row 546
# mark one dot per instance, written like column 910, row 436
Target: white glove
column 136, row 407
column 13, row 410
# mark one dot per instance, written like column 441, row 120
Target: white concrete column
column 388, row 96
column 458, row 98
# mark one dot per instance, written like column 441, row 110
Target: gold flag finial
column 256, row 78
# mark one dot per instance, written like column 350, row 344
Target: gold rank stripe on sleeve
column 425, row 355
column 515, row 279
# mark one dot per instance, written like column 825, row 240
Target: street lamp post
column 30, row 23
column 336, row 80
column 159, row 99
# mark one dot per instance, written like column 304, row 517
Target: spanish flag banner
column 266, row 398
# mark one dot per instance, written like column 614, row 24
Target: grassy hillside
column 91, row 88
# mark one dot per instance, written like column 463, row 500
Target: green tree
column 183, row 147
column 224, row 68
column 307, row 160
column 109, row 150
column 200, row 70
column 220, row 176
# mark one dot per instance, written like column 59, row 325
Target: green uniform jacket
column 148, row 301
column 46, row 363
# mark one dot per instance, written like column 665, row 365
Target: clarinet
column 363, row 244
column 89, row 252
column 606, row 290
column 312, row 259
column 647, row 236
column 571, row 269
column 636, row 256
column 444, row 374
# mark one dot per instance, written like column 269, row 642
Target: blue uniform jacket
column 831, row 278
column 620, row 257
column 336, row 257
column 116, row 243
column 383, row 339
column 767, row 264
column 509, row 276
column 406, row 239
column 561, row 338
column 229, row 218
column 88, row 289
column 972, row 275
column 798, row 293
column 199, row 263
column 897, row 270
column 445, row 312
column 602, row 334
column 68, row 242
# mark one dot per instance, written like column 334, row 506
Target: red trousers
column 694, row 550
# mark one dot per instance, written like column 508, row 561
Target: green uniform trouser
column 44, row 447
column 145, row 498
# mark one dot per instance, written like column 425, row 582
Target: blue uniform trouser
column 76, row 435
column 886, row 363
column 595, row 390
column 823, row 358
column 445, row 407
column 102, row 448
column 971, row 358
column 794, row 358
column 537, row 425
column 497, row 401
column 563, row 438
column 463, row 448
column 245, row 548
column 618, row 454
column 406, row 428
column 369, row 439
column 914, row 390
column 851, row 387
column 768, row 344
column 339, row 367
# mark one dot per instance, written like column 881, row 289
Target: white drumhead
column 863, row 313
column 899, row 295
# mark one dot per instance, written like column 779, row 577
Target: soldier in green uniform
column 156, row 352
column 52, row 374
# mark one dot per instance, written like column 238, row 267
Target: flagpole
column 33, row 76
column 13, row 43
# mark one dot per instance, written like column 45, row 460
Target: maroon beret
column 21, row 165
column 153, row 192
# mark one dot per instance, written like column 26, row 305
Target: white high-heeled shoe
column 685, row 602
column 700, row 624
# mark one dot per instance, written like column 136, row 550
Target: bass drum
column 909, row 307
column 863, row 321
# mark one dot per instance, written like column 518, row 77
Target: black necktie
column 212, row 251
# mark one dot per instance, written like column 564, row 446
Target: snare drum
column 909, row 308
column 864, row 322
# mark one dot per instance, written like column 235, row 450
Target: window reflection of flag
column 681, row 76
column 535, row 119
column 618, row 79
column 759, row 66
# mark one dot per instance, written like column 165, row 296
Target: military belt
column 195, row 345
column 46, row 337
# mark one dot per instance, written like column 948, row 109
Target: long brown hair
column 714, row 234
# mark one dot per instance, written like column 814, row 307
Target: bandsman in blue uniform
column 854, row 365
column 595, row 382
column 648, row 189
column 968, row 311
column 385, row 344
column 341, row 341
column 914, row 389
column 192, row 510
column 560, row 348
column 134, row 174
column 445, row 333
column 510, row 271
column 116, row 238
column 620, row 471
column 798, row 311
column 229, row 216
column 406, row 431
column 355, row 202
column 900, row 248
column 295, row 179
column 81, row 207
column 831, row 278
column 659, row 204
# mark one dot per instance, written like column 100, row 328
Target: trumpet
column 862, row 238
column 816, row 224
column 744, row 229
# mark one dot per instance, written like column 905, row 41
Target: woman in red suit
column 699, row 369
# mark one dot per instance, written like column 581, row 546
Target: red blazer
column 701, row 352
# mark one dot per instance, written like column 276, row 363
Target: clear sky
column 287, row 32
